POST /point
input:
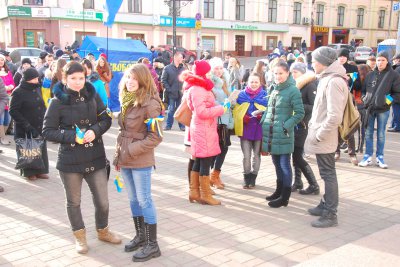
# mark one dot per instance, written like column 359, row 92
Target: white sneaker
column 366, row 161
column 381, row 163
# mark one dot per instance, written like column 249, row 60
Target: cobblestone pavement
column 244, row 231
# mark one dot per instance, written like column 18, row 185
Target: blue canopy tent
column 121, row 54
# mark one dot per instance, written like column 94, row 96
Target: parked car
column 189, row 55
column 24, row 52
column 337, row 47
column 362, row 53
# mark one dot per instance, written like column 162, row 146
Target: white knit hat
column 216, row 62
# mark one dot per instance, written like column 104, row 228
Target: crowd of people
column 287, row 107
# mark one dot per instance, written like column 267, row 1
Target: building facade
column 242, row 27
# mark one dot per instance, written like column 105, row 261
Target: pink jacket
column 8, row 80
column 203, row 127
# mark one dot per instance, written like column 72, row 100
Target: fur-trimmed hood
column 194, row 80
column 305, row 79
column 62, row 93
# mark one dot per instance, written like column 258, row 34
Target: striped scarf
column 128, row 99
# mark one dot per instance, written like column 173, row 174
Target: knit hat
column 30, row 74
column 59, row 53
column 324, row 55
column 202, row 68
column 397, row 56
column 344, row 52
column 216, row 62
column 42, row 55
column 103, row 55
column 383, row 54
column 299, row 66
column 26, row 60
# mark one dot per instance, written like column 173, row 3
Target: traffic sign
column 198, row 25
column 198, row 16
column 396, row 6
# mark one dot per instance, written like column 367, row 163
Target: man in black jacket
column 173, row 88
column 354, row 85
column 382, row 87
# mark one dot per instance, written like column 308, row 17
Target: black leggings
column 219, row 159
column 298, row 160
column 202, row 165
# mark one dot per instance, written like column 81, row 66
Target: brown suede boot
column 205, row 191
column 194, row 193
column 80, row 241
column 215, row 179
column 107, row 236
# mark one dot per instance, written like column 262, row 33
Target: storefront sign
column 30, row 39
column 38, row 12
column 180, row 22
column 321, row 29
column 19, row 11
column 245, row 27
column 340, row 31
column 76, row 14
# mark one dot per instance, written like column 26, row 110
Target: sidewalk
column 244, row 231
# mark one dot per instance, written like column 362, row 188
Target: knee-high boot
column 151, row 249
column 205, row 192
column 190, row 166
column 194, row 183
column 298, row 183
column 139, row 239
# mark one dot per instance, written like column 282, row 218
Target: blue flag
column 111, row 7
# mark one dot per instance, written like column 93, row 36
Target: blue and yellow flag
column 111, row 8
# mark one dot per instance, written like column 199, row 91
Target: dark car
column 188, row 55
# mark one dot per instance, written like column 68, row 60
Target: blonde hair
column 147, row 87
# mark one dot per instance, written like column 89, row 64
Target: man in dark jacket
column 382, row 87
column 42, row 70
column 354, row 85
column 173, row 88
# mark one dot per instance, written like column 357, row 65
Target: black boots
column 247, row 180
column 253, row 178
column 283, row 200
column 151, row 249
column 140, row 238
column 298, row 183
column 327, row 219
column 313, row 188
column 277, row 192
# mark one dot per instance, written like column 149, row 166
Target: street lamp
column 172, row 7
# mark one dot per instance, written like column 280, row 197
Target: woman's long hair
column 147, row 88
column 105, row 68
column 57, row 73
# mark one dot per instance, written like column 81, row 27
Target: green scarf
column 128, row 99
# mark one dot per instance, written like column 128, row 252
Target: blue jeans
column 138, row 185
column 173, row 104
column 283, row 169
column 382, row 119
column 396, row 116
column 5, row 118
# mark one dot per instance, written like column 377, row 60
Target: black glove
column 32, row 132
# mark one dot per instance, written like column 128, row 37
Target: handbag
column 223, row 135
column 183, row 114
column 29, row 153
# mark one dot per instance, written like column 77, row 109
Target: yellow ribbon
column 153, row 125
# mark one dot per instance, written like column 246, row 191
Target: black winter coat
column 379, row 84
column 307, row 85
column 86, row 110
column 171, row 82
column 27, row 109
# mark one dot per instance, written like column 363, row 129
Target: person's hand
column 117, row 168
column 246, row 119
column 89, row 136
column 263, row 153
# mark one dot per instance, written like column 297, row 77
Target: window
column 320, row 14
column 209, row 8
column 272, row 8
column 135, row 6
column 340, row 16
column 381, row 21
column 178, row 40
column 33, row 2
column 272, row 42
column 88, row 4
column 208, row 43
column 297, row 13
column 135, row 36
column 240, row 9
column 360, row 17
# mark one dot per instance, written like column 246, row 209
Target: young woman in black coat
column 307, row 85
column 27, row 109
column 76, row 104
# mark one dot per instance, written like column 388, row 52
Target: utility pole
column 173, row 27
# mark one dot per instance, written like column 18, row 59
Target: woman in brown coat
column 104, row 70
column 134, row 156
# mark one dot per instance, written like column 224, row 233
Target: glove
column 246, row 119
column 227, row 104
